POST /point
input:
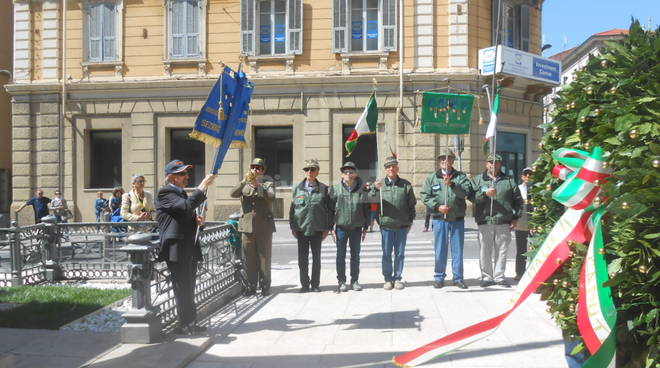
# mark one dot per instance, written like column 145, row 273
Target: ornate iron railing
column 52, row 251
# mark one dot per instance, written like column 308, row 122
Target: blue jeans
column 353, row 237
column 393, row 240
column 454, row 232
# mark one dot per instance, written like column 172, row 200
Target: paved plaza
column 352, row 329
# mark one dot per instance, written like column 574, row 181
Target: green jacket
column 434, row 191
column 310, row 212
column 398, row 203
column 507, row 203
column 350, row 207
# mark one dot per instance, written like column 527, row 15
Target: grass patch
column 49, row 307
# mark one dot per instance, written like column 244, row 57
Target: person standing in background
column 522, row 226
column 137, row 204
column 100, row 207
column 39, row 203
column 59, row 207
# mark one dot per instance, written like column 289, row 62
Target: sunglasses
column 312, row 169
column 349, row 172
column 260, row 168
column 183, row 173
column 140, row 181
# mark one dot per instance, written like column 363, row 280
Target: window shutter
column 177, row 28
column 247, row 27
column 109, row 31
column 524, row 27
column 389, row 25
column 94, row 32
column 295, row 14
column 192, row 28
column 339, row 15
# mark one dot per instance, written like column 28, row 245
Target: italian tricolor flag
column 366, row 124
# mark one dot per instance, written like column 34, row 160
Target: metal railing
column 52, row 251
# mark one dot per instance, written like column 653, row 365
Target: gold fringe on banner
column 195, row 134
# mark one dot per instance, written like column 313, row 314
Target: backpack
column 116, row 217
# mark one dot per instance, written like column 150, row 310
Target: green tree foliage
column 613, row 103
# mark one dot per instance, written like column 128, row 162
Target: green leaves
column 622, row 116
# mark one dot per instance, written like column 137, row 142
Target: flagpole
column 374, row 87
column 492, row 102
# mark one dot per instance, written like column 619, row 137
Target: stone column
column 142, row 325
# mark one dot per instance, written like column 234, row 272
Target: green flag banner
column 446, row 113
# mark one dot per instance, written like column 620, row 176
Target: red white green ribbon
column 577, row 224
column 596, row 310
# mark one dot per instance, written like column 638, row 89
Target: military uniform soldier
column 256, row 224
column 310, row 221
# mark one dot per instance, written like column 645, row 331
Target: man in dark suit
column 177, row 225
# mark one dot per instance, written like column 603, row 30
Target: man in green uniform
column 351, row 215
column 256, row 224
column 310, row 221
column 396, row 220
column 497, row 206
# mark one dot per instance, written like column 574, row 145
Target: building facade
column 105, row 89
column 6, row 58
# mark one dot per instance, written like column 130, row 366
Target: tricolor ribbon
column 583, row 173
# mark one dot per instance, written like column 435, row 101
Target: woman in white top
column 59, row 208
column 137, row 204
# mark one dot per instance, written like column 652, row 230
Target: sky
column 574, row 21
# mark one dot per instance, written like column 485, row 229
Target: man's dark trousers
column 353, row 237
column 305, row 243
column 183, row 283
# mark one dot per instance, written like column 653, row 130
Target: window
column 278, row 23
column 372, row 25
column 514, row 24
column 190, row 151
column 512, row 147
column 183, row 26
column 275, row 145
column 101, row 31
column 105, row 158
column 365, row 155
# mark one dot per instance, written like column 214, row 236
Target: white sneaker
column 356, row 286
column 399, row 285
column 387, row 285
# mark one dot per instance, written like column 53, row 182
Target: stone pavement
column 351, row 330
column 367, row 328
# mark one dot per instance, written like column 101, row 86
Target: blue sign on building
column 542, row 68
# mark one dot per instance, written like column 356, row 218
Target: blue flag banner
column 223, row 118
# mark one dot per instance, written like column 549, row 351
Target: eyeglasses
column 312, row 169
column 183, row 173
column 260, row 168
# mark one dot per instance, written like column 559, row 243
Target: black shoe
column 194, row 329
column 503, row 283
column 250, row 292
column 438, row 284
column 518, row 277
column 265, row 292
column 316, row 289
column 303, row 290
column 486, row 283
column 460, row 285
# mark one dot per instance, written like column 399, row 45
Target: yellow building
column 6, row 40
column 137, row 72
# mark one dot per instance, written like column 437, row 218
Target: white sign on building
column 519, row 63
